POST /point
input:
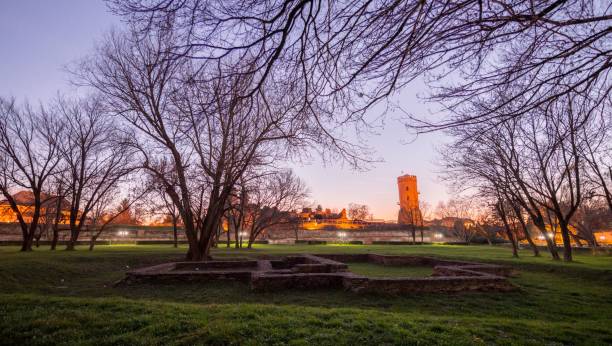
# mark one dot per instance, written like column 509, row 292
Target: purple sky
column 39, row 37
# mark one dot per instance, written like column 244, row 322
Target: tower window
column 407, row 188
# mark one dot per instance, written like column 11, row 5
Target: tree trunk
column 228, row 236
column 92, row 242
column 55, row 238
column 193, row 254
column 27, row 237
column 70, row 246
column 74, row 236
column 26, row 245
column 567, row 243
column 37, row 238
column 509, row 232
column 534, row 247
column 56, row 220
column 510, row 235
column 174, row 231
column 552, row 247
column 519, row 216
column 236, row 235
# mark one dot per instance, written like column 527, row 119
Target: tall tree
column 29, row 156
column 95, row 156
column 203, row 132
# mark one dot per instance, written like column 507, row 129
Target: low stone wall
column 330, row 271
column 473, row 270
column 274, row 282
column 392, row 260
column 210, row 265
column 428, row 284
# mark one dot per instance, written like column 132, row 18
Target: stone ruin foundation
column 331, row 271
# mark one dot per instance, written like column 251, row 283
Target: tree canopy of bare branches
column 95, row 159
column 29, row 156
column 351, row 54
column 535, row 164
column 272, row 199
column 359, row 212
column 195, row 139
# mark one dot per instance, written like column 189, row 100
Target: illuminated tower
column 409, row 212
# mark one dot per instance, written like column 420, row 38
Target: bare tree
column 597, row 153
column 206, row 134
column 160, row 203
column 272, row 199
column 236, row 213
column 592, row 215
column 29, row 155
column 535, row 162
column 516, row 213
column 482, row 161
column 412, row 218
column 358, row 212
column 502, row 211
column 104, row 213
column 426, row 214
column 59, row 190
column 95, row 157
column 556, row 171
column 486, row 220
column 172, row 212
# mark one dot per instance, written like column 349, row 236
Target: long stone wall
column 282, row 235
column 364, row 236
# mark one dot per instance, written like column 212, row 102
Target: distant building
column 409, row 213
column 25, row 203
column 325, row 219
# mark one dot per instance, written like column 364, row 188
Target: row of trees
column 67, row 156
column 551, row 167
column 522, row 82
column 80, row 168
column 211, row 92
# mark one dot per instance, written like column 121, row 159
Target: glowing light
column 123, row 233
column 243, row 234
column 342, row 234
column 438, row 235
column 550, row 235
column 541, row 237
column 602, row 237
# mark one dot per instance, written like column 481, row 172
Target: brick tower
column 409, row 212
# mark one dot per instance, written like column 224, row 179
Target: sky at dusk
column 38, row 38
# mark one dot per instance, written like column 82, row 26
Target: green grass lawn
column 67, row 298
column 378, row 270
